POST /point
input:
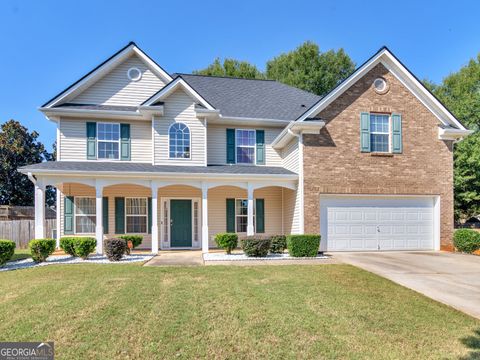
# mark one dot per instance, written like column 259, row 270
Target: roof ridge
column 223, row 77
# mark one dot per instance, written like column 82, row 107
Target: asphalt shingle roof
column 264, row 99
column 125, row 167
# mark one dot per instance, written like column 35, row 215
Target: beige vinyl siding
column 290, row 156
column 115, row 88
column 179, row 107
column 217, row 209
column 291, row 211
column 217, row 147
column 73, row 141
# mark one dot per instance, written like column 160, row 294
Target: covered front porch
column 172, row 213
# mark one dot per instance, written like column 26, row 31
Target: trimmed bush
column 227, row 241
column 84, row 246
column 303, row 245
column 466, row 240
column 67, row 245
column 255, row 246
column 41, row 249
column 115, row 248
column 135, row 239
column 7, row 249
column 278, row 244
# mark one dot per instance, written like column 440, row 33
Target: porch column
column 39, row 210
column 154, row 187
column 99, row 217
column 204, row 218
column 58, row 221
column 250, row 227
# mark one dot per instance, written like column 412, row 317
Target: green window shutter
column 365, row 132
column 260, row 215
column 68, row 209
column 125, row 142
column 119, row 215
column 231, row 215
column 231, row 146
column 260, row 147
column 149, row 215
column 397, row 133
column 105, row 214
column 91, row 140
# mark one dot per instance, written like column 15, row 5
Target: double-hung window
column 379, row 133
column 241, row 215
column 85, row 215
column 108, row 140
column 136, row 215
column 245, row 146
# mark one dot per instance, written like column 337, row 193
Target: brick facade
column 333, row 163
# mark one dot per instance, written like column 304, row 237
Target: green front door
column 180, row 223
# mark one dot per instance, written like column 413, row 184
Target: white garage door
column 366, row 224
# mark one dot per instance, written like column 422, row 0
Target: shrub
column 67, row 245
column 135, row 239
column 115, row 248
column 278, row 244
column 84, row 246
column 227, row 241
column 255, row 246
column 41, row 249
column 303, row 245
column 466, row 240
column 7, row 248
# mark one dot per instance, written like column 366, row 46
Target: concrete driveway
column 453, row 279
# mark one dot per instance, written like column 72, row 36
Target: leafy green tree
column 309, row 69
column 460, row 92
column 231, row 68
column 18, row 147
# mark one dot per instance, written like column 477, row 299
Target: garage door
column 366, row 224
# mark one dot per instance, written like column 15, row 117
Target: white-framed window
column 245, row 143
column 380, row 133
column 108, row 141
column 179, row 141
column 241, row 215
column 136, row 215
column 85, row 215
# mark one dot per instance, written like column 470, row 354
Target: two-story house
column 179, row 158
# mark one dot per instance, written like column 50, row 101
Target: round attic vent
column 134, row 74
column 380, row 85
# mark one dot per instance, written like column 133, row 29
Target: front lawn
column 324, row 311
column 21, row 254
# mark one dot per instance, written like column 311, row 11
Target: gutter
column 453, row 134
column 295, row 129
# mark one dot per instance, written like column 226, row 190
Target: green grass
column 275, row 312
column 21, row 254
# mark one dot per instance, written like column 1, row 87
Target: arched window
column 179, row 143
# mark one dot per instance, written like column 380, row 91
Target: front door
column 180, row 223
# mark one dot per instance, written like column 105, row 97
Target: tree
column 460, row 92
column 309, row 69
column 18, row 147
column 231, row 68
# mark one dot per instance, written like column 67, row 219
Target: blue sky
column 47, row 45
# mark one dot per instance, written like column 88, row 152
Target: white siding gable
column 179, row 107
column 115, row 88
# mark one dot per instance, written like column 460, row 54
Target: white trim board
column 385, row 57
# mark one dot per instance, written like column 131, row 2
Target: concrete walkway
column 453, row 279
column 177, row 258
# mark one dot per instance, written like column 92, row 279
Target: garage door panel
column 374, row 223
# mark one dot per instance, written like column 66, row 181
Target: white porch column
column 39, row 210
column 99, row 217
column 204, row 218
column 250, row 227
column 58, row 222
column 154, row 187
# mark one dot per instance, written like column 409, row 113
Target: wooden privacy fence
column 22, row 231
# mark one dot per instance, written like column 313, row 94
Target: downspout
column 32, row 178
column 300, row 188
